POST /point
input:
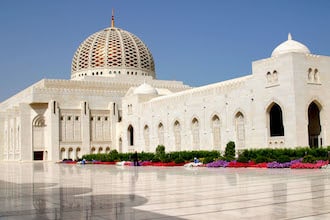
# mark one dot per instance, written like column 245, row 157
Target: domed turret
column 145, row 89
column 112, row 51
column 290, row 46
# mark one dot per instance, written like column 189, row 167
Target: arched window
column 177, row 135
column 107, row 150
column 146, row 135
column 195, row 133
column 216, row 132
column 63, row 153
column 78, row 153
column 269, row 77
column 100, row 150
column 130, row 135
column 92, row 150
column 120, row 145
column 314, row 125
column 276, row 127
column 275, row 76
column 70, row 156
column 161, row 134
column 316, row 75
column 240, row 129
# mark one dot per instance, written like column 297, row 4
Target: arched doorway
column 314, row 125
column 130, row 135
column 38, row 141
column 276, row 127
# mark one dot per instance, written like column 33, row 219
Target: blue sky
column 194, row 41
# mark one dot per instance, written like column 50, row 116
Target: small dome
column 145, row 89
column 290, row 46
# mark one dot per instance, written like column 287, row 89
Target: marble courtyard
column 45, row 190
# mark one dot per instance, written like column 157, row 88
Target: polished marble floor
column 40, row 190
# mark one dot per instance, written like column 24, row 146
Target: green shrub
column 230, row 151
column 179, row 160
column 242, row 158
column 283, row 159
column 165, row 159
column 309, row 159
column 156, row 159
column 206, row 160
column 261, row 159
column 146, row 156
column 160, row 149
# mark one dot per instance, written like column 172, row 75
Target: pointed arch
column 63, row 156
column 160, row 133
column 215, row 126
column 38, row 141
column 70, row 153
column 130, row 135
column 120, row 145
column 177, row 135
column 107, row 150
column 240, row 129
column 78, row 153
column 93, row 150
column 195, row 133
column 314, row 124
column 146, row 136
column 275, row 120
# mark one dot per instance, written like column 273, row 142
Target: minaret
column 113, row 19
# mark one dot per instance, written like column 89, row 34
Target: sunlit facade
column 114, row 101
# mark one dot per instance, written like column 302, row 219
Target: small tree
column 230, row 151
column 160, row 153
column 160, row 150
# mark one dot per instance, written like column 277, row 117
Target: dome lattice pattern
column 112, row 50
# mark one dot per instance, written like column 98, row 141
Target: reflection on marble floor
column 57, row 191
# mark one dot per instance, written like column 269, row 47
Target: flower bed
column 105, row 163
column 235, row 164
column 294, row 164
column 260, row 165
column 218, row 163
column 283, row 165
column 319, row 164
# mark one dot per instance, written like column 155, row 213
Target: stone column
column 85, row 128
column 53, row 124
column 26, row 132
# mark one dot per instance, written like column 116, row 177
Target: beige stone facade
column 114, row 101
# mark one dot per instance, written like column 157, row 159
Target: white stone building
column 114, row 101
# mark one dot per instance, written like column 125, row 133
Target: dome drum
column 113, row 72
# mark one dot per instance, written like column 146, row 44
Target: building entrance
column 314, row 126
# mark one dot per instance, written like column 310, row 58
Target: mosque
column 115, row 101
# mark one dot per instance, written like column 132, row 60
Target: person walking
column 136, row 159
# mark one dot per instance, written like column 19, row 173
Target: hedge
column 257, row 155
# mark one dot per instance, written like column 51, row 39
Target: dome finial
column 289, row 36
column 113, row 19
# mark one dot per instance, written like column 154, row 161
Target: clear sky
column 194, row 41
